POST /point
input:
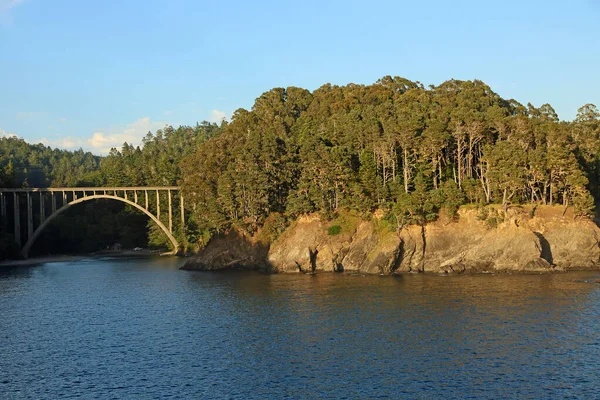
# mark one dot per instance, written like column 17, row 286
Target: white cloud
column 6, row 135
column 105, row 139
column 5, row 6
column 69, row 143
column 9, row 3
column 29, row 115
column 63, row 119
column 217, row 116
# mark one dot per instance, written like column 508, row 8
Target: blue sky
column 95, row 74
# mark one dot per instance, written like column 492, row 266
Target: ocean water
column 142, row 329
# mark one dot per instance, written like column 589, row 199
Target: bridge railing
column 87, row 189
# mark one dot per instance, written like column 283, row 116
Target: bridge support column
column 170, row 213
column 29, row 216
column 182, row 213
column 146, row 197
column 157, row 205
column 3, row 207
column 42, row 208
column 53, row 202
column 17, row 212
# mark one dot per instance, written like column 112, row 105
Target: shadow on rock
column 231, row 251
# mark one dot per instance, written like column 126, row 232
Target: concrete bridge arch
column 67, row 197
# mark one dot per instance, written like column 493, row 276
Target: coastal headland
column 475, row 240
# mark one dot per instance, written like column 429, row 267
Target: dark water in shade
column 143, row 329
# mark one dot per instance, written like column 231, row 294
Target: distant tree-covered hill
column 35, row 165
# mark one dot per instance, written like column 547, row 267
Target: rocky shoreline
column 526, row 240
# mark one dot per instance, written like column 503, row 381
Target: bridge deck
column 86, row 189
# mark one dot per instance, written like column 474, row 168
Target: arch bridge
column 37, row 207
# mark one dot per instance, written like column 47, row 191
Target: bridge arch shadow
column 50, row 218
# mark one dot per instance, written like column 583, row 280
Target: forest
column 396, row 146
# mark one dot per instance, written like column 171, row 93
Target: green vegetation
column 334, row 230
column 396, row 146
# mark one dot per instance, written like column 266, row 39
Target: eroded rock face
column 506, row 249
column 522, row 243
column 571, row 246
column 307, row 247
column 372, row 252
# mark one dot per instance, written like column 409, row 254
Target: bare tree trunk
column 470, row 158
column 406, row 171
column 394, row 163
column 384, row 175
column 485, row 184
column 434, row 160
column 459, row 160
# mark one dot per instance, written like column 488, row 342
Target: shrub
column 492, row 222
column 334, row 230
column 482, row 213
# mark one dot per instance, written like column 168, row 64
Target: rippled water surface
column 118, row 328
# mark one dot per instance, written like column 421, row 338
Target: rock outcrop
column 230, row 251
column 525, row 240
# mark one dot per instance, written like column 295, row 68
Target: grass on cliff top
column 383, row 225
column 343, row 222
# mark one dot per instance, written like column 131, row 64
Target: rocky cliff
column 477, row 240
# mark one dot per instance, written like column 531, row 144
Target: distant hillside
column 34, row 165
